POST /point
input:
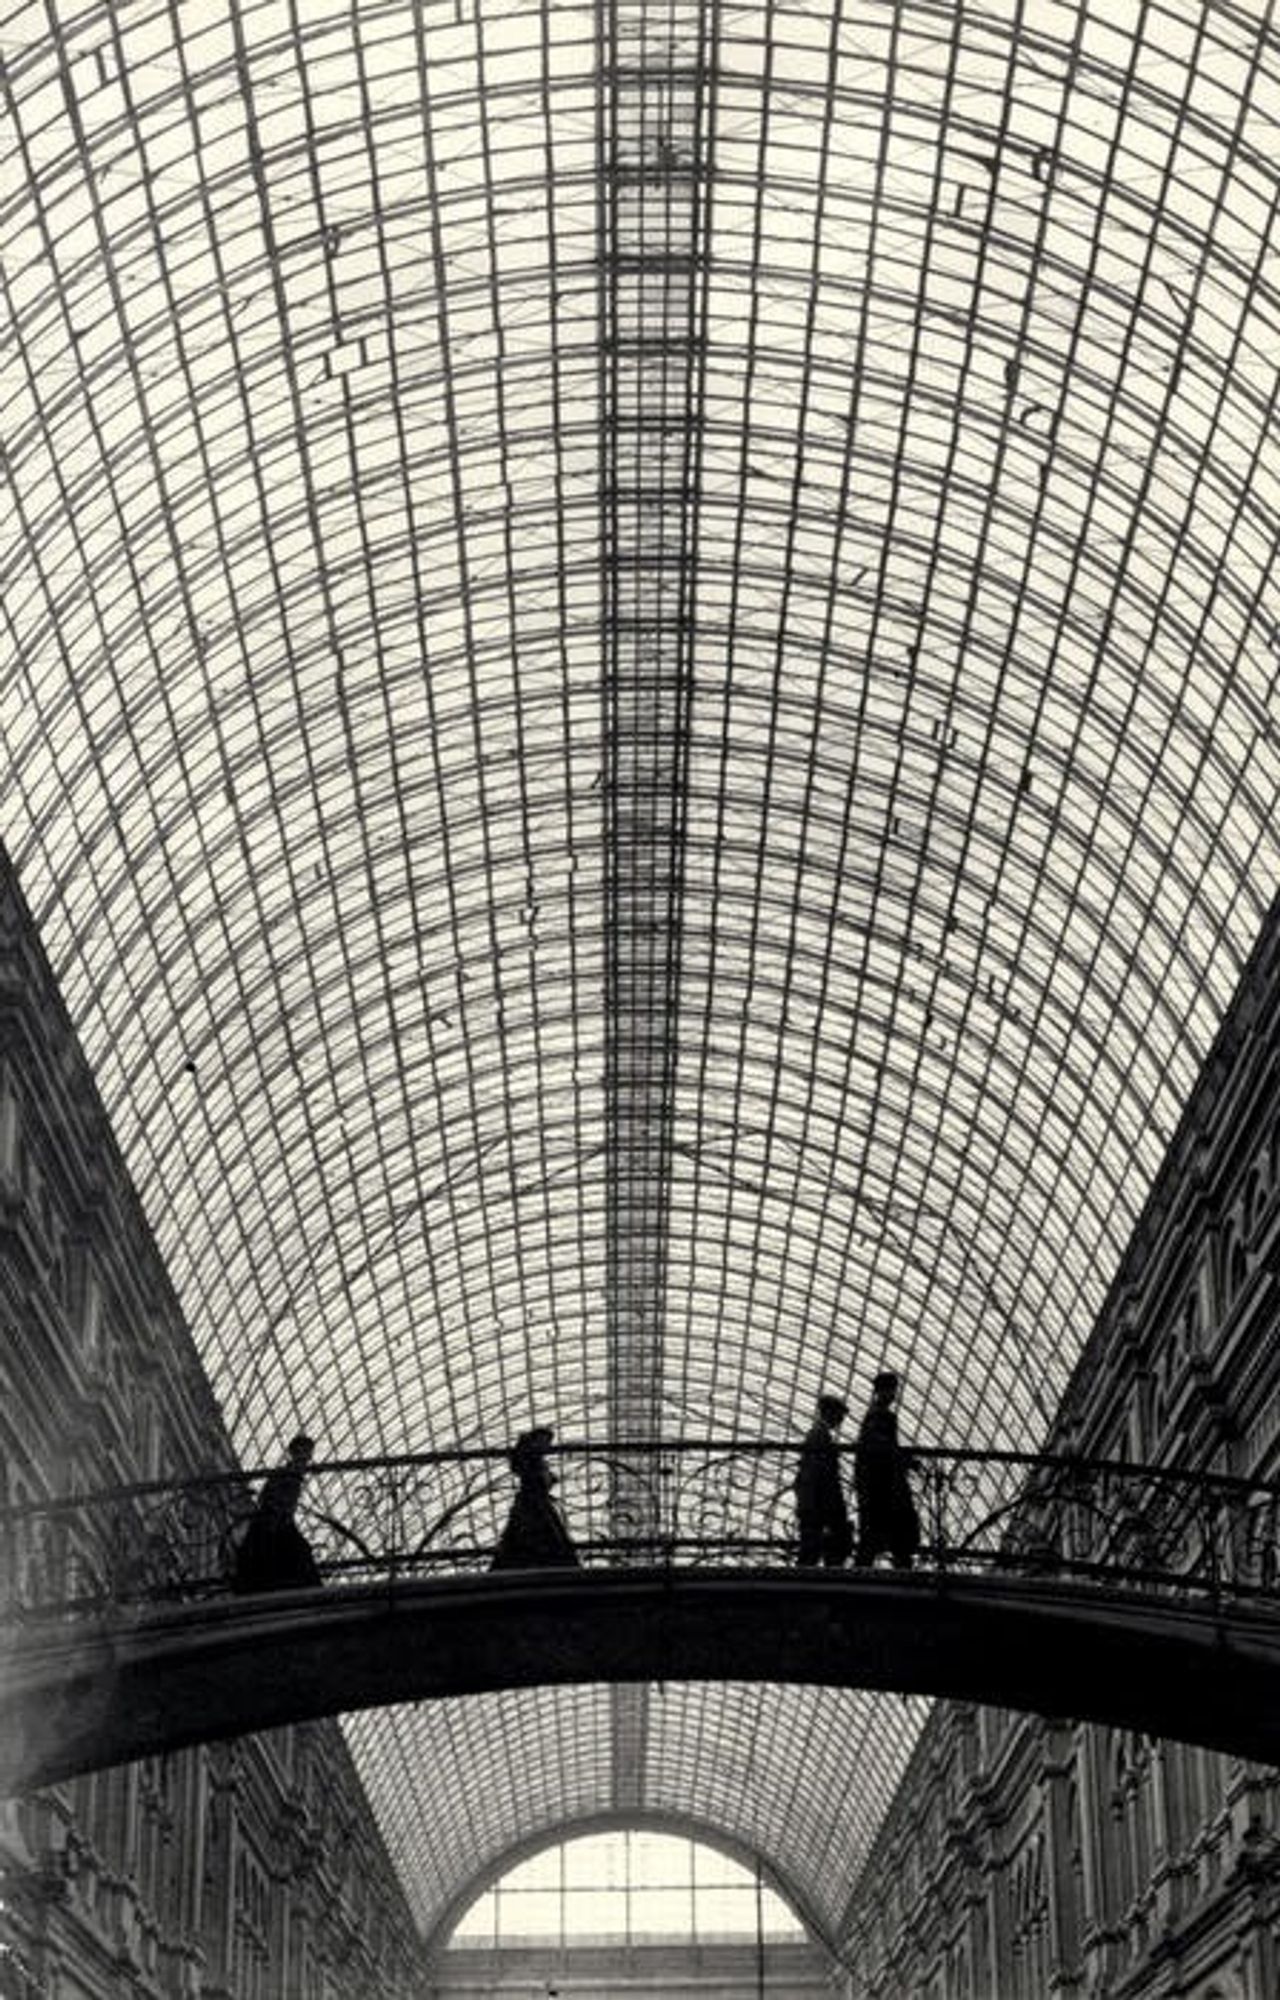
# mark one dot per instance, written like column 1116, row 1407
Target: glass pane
column 713, row 1870
column 727, row 1912
column 540, row 1871
column 599, row 1913
column 662, row 1913
column 527, row 1913
column 598, row 1862
column 660, row 1859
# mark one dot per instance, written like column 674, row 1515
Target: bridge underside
column 79, row 1697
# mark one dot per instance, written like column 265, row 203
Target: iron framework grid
column 639, row 708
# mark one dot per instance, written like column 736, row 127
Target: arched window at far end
column 628, row 1886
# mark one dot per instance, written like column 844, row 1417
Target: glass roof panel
column 639, row 707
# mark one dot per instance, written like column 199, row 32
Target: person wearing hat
column 822, row 1514
column 887, row 1520
column 275, row 1554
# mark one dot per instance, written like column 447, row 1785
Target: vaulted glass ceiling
column 639, row 705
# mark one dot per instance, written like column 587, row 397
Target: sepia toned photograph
column 639, row 1000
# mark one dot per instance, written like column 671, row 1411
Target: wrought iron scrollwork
column 686, row 1501
column 402, row 1516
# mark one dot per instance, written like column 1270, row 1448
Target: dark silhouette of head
column 302, row 1448
column 833, row 1410
column 885, row 1386
column 531, row 1447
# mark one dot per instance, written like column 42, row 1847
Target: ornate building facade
column 1027, row 1857
column 241, row 1871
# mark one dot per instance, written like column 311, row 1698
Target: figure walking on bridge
column 275, row 1554
column 887, row 1518
column 535, row 1537
column 822, row 1513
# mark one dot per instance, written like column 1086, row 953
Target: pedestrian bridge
column 78, row 1695
column 1080, row 1588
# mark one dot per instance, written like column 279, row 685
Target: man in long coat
column 887, row 1520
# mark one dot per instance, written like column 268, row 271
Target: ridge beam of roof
column 630, row 1732
column 653, row 170
column 653, row 140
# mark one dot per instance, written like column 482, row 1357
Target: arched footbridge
column 1071, row 1587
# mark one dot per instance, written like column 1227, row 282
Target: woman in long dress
column 534, row 1537
column 275, row 1554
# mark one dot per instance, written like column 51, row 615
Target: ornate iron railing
column 696, row 1501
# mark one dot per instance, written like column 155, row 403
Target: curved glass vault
column 639, row 709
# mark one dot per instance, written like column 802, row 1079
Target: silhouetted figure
column 887, row 1518
column 275, row 1554
column 535, row 1537
column 822, row 1514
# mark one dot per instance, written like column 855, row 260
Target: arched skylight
column 627, row 1886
